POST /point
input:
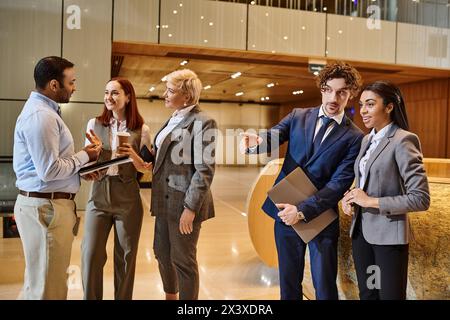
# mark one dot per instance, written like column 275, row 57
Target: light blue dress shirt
column 44, row 159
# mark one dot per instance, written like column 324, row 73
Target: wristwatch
column 300, row 216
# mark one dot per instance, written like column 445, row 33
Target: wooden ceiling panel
column 145, row 64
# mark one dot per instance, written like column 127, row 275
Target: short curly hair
column 340, row 69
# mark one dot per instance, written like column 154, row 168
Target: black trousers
column 382, row 270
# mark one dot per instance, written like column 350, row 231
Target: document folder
column 293, row 189
column 89, row 167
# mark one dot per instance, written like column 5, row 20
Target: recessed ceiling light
column 175, row 11
column 164, row 78
column 239, row 94
column 151, row 89
column 207, row 87
column 236, row 75
column 184, row 62
column 270, row 85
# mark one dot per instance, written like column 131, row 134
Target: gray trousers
column 112, row 204
column 177, row 258
column 46, row 230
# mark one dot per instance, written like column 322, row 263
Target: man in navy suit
column 324, row 143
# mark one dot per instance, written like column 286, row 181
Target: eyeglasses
column 341, row 93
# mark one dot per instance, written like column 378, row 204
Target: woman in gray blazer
column 390, row 182
column 182, row 177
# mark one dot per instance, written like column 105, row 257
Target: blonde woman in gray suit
column 390, row 182
column 182, row 176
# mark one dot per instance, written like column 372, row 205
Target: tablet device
column 88, row 168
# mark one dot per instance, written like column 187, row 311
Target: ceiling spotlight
column 297, row 92
column 236, row 75
column 151, row 89
column 270, row 85
column 184, row 62
column 262, row 98
column 207, row 87
column 239, row 94
column 164, row 79
column 267, row 98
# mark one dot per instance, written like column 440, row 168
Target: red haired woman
column 115, row 200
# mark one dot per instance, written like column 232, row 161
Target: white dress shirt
column 176, row 118
column 119, row 126
column 337, row 121
column 374, row 140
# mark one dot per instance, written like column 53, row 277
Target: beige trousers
column 46, row 230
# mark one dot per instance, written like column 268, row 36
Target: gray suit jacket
column 184, row 169
column 396, row 175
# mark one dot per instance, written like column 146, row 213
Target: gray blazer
column 396, row 175
column 184, row 168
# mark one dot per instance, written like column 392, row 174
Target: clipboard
column 293, row 189
column 89, row 167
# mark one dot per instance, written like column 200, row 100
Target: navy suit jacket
column 330, row 169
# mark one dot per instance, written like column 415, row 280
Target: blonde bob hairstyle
column 188, row 82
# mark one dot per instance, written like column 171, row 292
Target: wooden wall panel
column 447, row 130
column 427, row 104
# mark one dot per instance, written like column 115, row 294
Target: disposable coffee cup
column 123, row 138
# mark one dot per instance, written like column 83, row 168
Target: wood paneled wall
column 427, row 104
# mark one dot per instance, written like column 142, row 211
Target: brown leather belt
column 49, row 195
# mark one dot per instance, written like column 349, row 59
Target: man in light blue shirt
column 46, row 167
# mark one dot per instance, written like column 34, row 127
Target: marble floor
column 229, row 266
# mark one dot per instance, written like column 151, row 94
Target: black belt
column 48, row 195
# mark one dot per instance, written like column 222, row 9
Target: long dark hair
column 132, row 115
column 390, row 93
